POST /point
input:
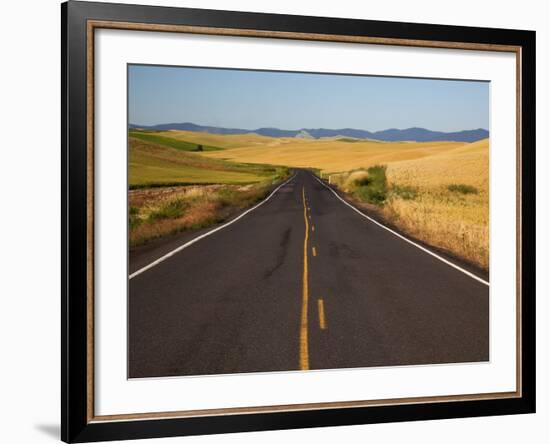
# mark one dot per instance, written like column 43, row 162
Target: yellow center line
column 304, row 348
column 314, row 251
column 321, row 309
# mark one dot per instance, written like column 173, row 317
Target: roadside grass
column 368, row 185
column 133, row 217
column 316, row 171
column 373, row 188
column 444, row 220
column 159, row 212
column 171, row 190
column 442, row 199
column 169, row 210
column 449, row 208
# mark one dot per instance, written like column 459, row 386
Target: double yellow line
column 304, row 345
column 304, row 348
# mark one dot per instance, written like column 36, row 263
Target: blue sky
column 255, row 99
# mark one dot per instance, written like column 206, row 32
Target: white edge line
column 425, row 250
column 202, row 236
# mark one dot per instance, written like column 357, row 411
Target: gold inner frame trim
column 98, row 24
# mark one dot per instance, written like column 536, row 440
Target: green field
column 171, row 142
column 155, row 164
column 215, row 189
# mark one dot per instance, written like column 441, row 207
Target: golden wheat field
column 454, row 221
column 330, row 156
column 441, row 199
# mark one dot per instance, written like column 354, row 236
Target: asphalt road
column 301, row 282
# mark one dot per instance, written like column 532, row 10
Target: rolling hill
column 156, row 164
column 389, row 135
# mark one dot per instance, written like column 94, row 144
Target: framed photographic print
column 275, row 221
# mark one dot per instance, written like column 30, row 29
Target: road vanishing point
column 301, row 281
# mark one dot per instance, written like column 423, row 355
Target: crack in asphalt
column 281, row 254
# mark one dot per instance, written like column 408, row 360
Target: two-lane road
column 302, row 282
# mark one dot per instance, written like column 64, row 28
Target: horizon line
column 304, row 128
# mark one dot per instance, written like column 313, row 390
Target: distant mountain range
column 389, row 135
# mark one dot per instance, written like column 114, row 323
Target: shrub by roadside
column 367, row 185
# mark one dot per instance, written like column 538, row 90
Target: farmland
column 441, row 199
column 437, row 192
column 329, row 155
column 173, row 189
column 154, row 164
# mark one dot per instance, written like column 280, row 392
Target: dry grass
column 458, row 225
column 353, row 178
column 452, row 220
column 158, row 212
column 441, row 199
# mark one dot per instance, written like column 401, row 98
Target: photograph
column 272, row 220
column 291, row 221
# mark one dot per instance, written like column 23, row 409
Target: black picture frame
column 76, row 424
